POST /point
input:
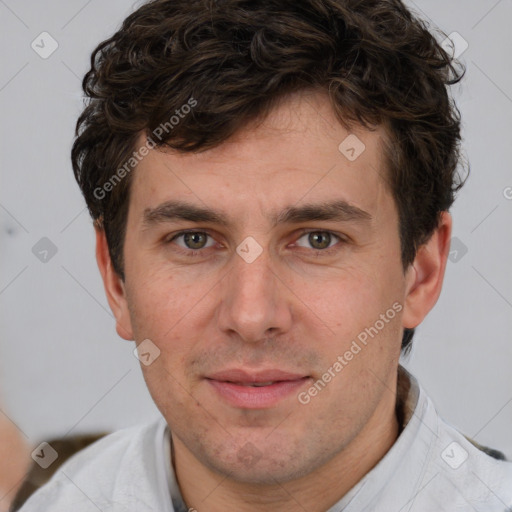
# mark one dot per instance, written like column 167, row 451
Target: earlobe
column 114, row 287
column 426, row 274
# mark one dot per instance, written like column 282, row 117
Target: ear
column 114, row 287
column 425, row 276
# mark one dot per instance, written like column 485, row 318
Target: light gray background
column 62, row 367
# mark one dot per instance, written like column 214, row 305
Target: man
column 270, row 185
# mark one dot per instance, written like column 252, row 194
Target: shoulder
column 466, row 472
column 116, row 471
column 445, row 469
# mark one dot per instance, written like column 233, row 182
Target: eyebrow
column 175, row 210
column 338, row 210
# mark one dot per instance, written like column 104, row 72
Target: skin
column 292, row 308
column 16, row 461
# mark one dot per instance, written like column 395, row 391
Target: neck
column 204, row 489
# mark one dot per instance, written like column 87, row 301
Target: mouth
column 255, row 384
column 255, row 390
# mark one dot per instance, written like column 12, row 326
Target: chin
column 254, row 466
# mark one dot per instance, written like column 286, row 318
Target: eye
column 320, row 240
column 192, row 241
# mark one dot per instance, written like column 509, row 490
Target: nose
column 255, row 303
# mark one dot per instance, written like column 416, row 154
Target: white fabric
column 421, row 471
column 131, row 471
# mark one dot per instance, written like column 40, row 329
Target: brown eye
column 320, row 243
column 192, row 241
column 195, row 240
column 319, row 239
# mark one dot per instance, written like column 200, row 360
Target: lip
column 247, row 377
column 234, row 387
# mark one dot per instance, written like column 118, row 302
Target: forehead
column 299, row 153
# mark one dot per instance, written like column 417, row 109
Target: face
column 274, row 291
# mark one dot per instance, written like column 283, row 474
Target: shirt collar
column 403, row 467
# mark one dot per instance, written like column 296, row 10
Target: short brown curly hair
column 235, row 59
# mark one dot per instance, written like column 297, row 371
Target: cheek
column 351, row 306
column 346, row 299
column 160, row 298
column 170, row 309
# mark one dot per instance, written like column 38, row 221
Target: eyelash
column 318, row 252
